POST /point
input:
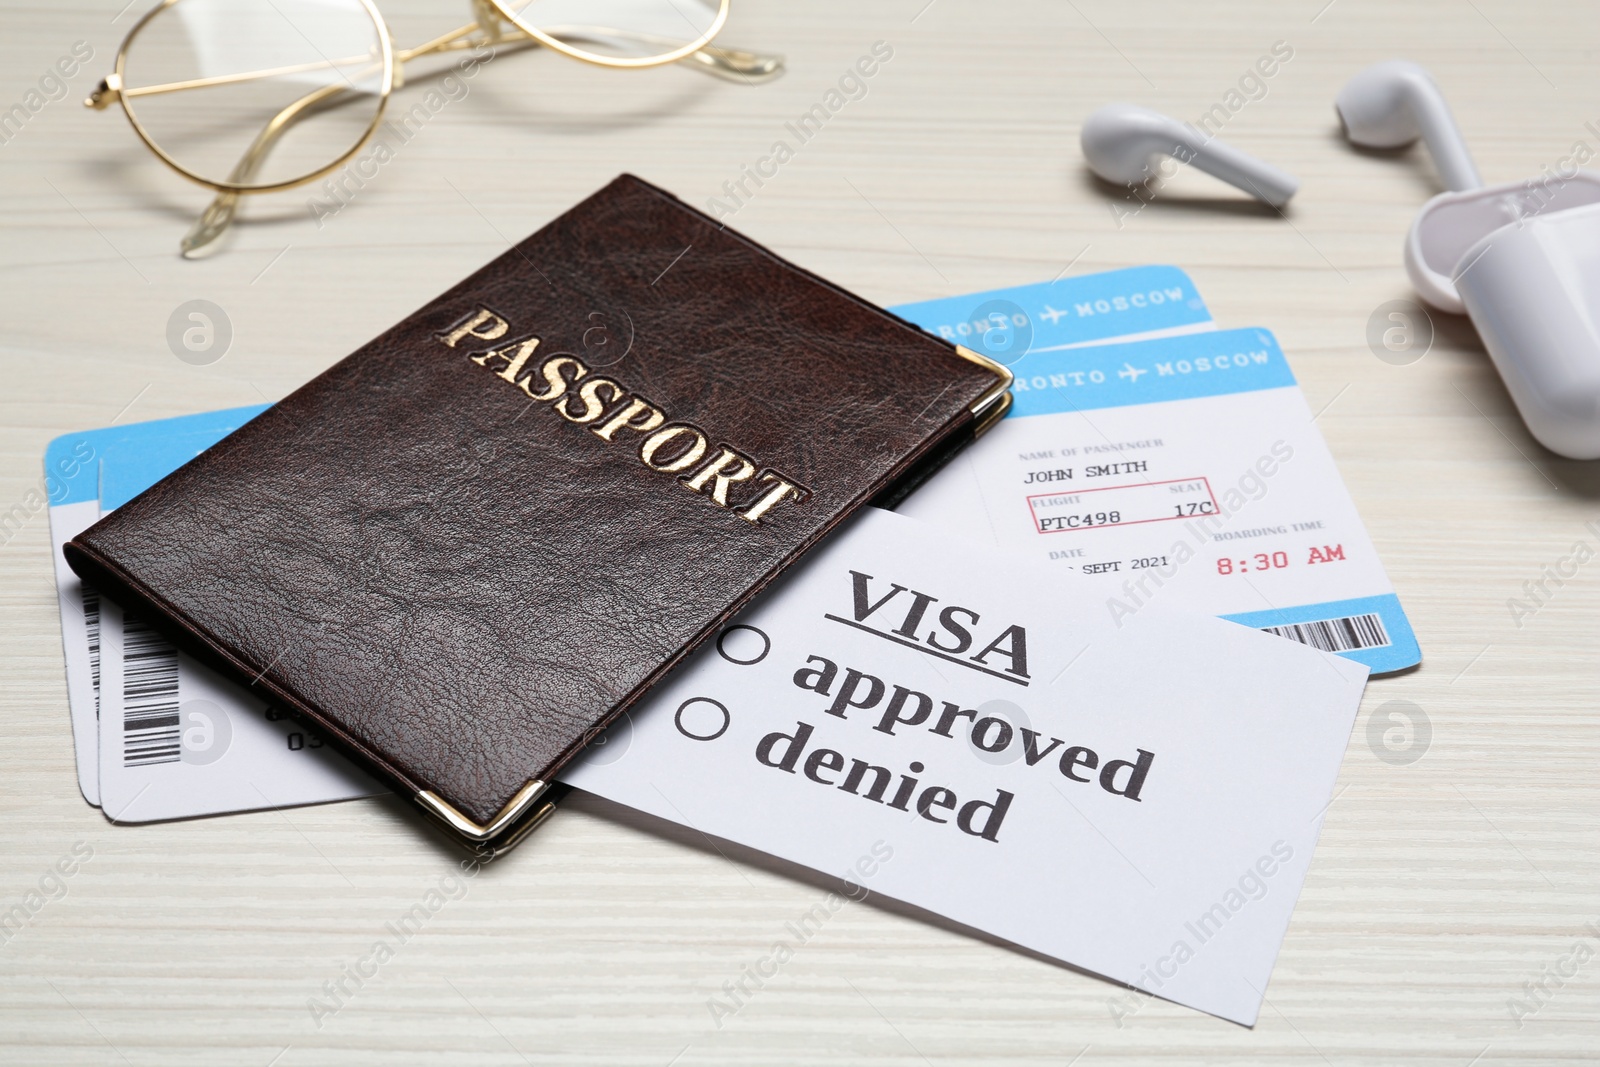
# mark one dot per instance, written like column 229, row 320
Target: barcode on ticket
column 1336, row 635
column 91, row 625
column 149, row 696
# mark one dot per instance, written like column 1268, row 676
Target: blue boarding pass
column 1184, row 470
column 159, row 736
column 1131, row 304
column 76, row 468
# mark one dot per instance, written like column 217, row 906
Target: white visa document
column 1185, row 471
column 1140, row 801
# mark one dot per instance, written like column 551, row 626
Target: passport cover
column 466, row 548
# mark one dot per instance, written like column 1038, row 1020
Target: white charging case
column 1523, row 260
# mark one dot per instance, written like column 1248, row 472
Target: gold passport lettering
column 483, row 324
column 609, row 409
column 589, row 397
column 664, row 438
column 717, row 473
column 636, row 414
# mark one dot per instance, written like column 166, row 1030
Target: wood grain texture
column 1439, row 888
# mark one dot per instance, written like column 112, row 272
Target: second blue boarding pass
column 1184, row 470
column 1131, row 304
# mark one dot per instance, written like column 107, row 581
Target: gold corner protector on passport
column 515, row 809
column 991, row 407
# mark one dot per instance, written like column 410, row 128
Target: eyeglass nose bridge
column 108, row 92
column 489, row 19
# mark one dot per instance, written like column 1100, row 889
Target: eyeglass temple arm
column 735, row 64
column 731, row 63
column 218, row 215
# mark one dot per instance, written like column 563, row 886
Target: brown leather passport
column 467, row 547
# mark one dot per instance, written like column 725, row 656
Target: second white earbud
column 1391, row 104
column 1516, row 257
column 1121, row 141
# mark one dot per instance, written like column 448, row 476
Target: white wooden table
column 1440, row 887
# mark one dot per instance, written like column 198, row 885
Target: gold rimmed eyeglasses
column 256, row 96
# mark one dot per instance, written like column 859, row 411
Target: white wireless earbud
column 1391, row 104
column 1120, row 141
